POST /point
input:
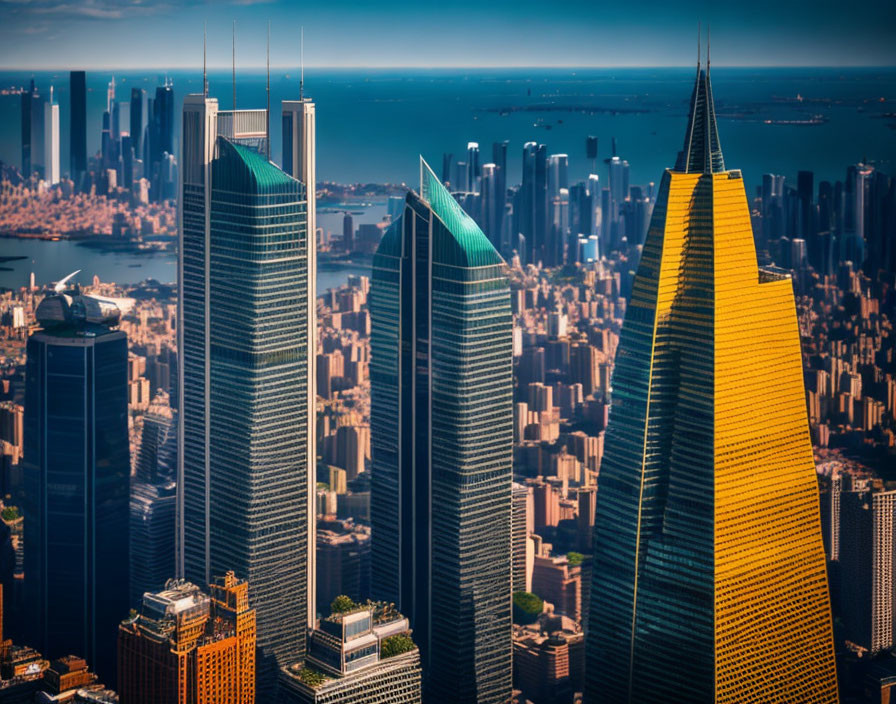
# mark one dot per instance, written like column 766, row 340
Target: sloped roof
column 243, row 169
column 468, row 246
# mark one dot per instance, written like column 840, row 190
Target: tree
column 526, row 607
column 342, row 604
column 574, row 559
column 396, row 645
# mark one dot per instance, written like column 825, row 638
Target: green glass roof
column 468, row 245
column 244, row 169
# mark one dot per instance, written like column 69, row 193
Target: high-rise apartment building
column 76, row 472
column 78, row 124
column 441, row 431
column 520, row 520
column 709, row 579
column 866, row 563
column 186, row 647
column 246, row 270
column 51, row 141
column 154, row 501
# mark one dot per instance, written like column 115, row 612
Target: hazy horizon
column 117, row 34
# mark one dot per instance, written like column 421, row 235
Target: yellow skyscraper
column 709, row 573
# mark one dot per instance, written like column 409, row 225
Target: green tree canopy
column 396, row 645
column 342, row 604
column 526, row 607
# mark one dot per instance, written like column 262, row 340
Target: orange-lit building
column 709, row 580
column 188, row 647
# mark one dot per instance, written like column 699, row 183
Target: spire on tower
column 702, row 151
column 302, row 63
column 204, row 71
column 267, row 116
column 233, row 63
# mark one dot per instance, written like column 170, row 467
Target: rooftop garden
column 311, row 677
column 396, row 645
column 342, row 605
column 10, row 514
column 526, row 607
column 574, row 559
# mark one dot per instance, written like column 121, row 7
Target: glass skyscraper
column 78, row 124
column 243, row 464
column 441, row 431
column 77, row 468
column 709, row 580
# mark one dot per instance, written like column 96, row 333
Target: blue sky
column 44, row 34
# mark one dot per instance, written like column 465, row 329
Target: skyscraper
column 246, row 260
column 76, row 468
column 709, row 579
column 51, row 140
column 531, row 206
column 138, row 98
column 474, row 168
column 866, row 551
column 78, row 124
column 185, row 647
column 300, row 161
column 160, row 136
column 441, row 431
column 32, row 131
column 153, row 501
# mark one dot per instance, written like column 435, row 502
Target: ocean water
column 50, row 261
column 372, row 124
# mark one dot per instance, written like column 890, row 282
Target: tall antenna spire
column 204, row 72
column 233, row 63
column 702, row 152
column 267, row 117
column 302, row 56
column 699, row 37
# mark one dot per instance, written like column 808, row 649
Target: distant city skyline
column 49, row 34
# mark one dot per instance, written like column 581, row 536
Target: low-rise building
column 364, row 655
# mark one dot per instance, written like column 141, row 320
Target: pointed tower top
column 233, row 63
column 702, row 151
column 267, row 90
column 204, row 66
column 302, row 62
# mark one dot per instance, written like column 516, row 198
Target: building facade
column 865, row 570
column 362, row 656
column 51, row 141
column 187, row 647
column 78, row 125
column 244, row 337
column 441, row 432
column 77, row 468
column 707, row 533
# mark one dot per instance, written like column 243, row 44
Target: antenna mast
column 302, row 76
column 233, row 63
column 204, row 72
column 267, row 116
